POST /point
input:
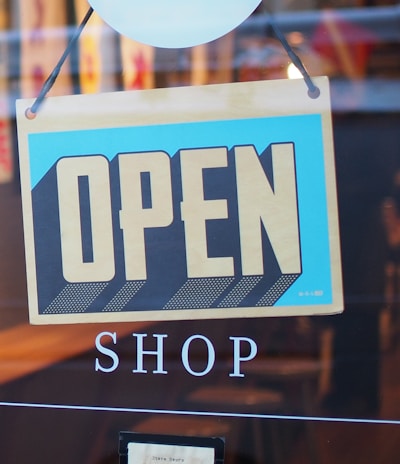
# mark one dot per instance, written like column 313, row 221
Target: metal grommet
column 314, row 93
column 29, row 114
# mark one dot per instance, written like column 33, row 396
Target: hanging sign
column 196, row 202
column 176, row 23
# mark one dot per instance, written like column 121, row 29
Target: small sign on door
column 137, row 448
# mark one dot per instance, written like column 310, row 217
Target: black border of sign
column 218, row 443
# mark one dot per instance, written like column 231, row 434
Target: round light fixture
column 174, row 23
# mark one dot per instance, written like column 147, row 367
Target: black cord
column 313, row 90
column 48, row 84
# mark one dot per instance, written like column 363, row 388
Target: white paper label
column 149, row 453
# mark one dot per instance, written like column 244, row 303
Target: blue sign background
column 314, row 284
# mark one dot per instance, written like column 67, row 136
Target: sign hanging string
column 49, row 82
column 313, row 90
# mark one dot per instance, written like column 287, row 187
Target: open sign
column 199, row 203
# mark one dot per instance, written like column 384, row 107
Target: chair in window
column 294, row 375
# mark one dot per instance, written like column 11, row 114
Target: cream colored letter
column 102, row 268
column 275, row 209
column 196, row 210
column 134, row 217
